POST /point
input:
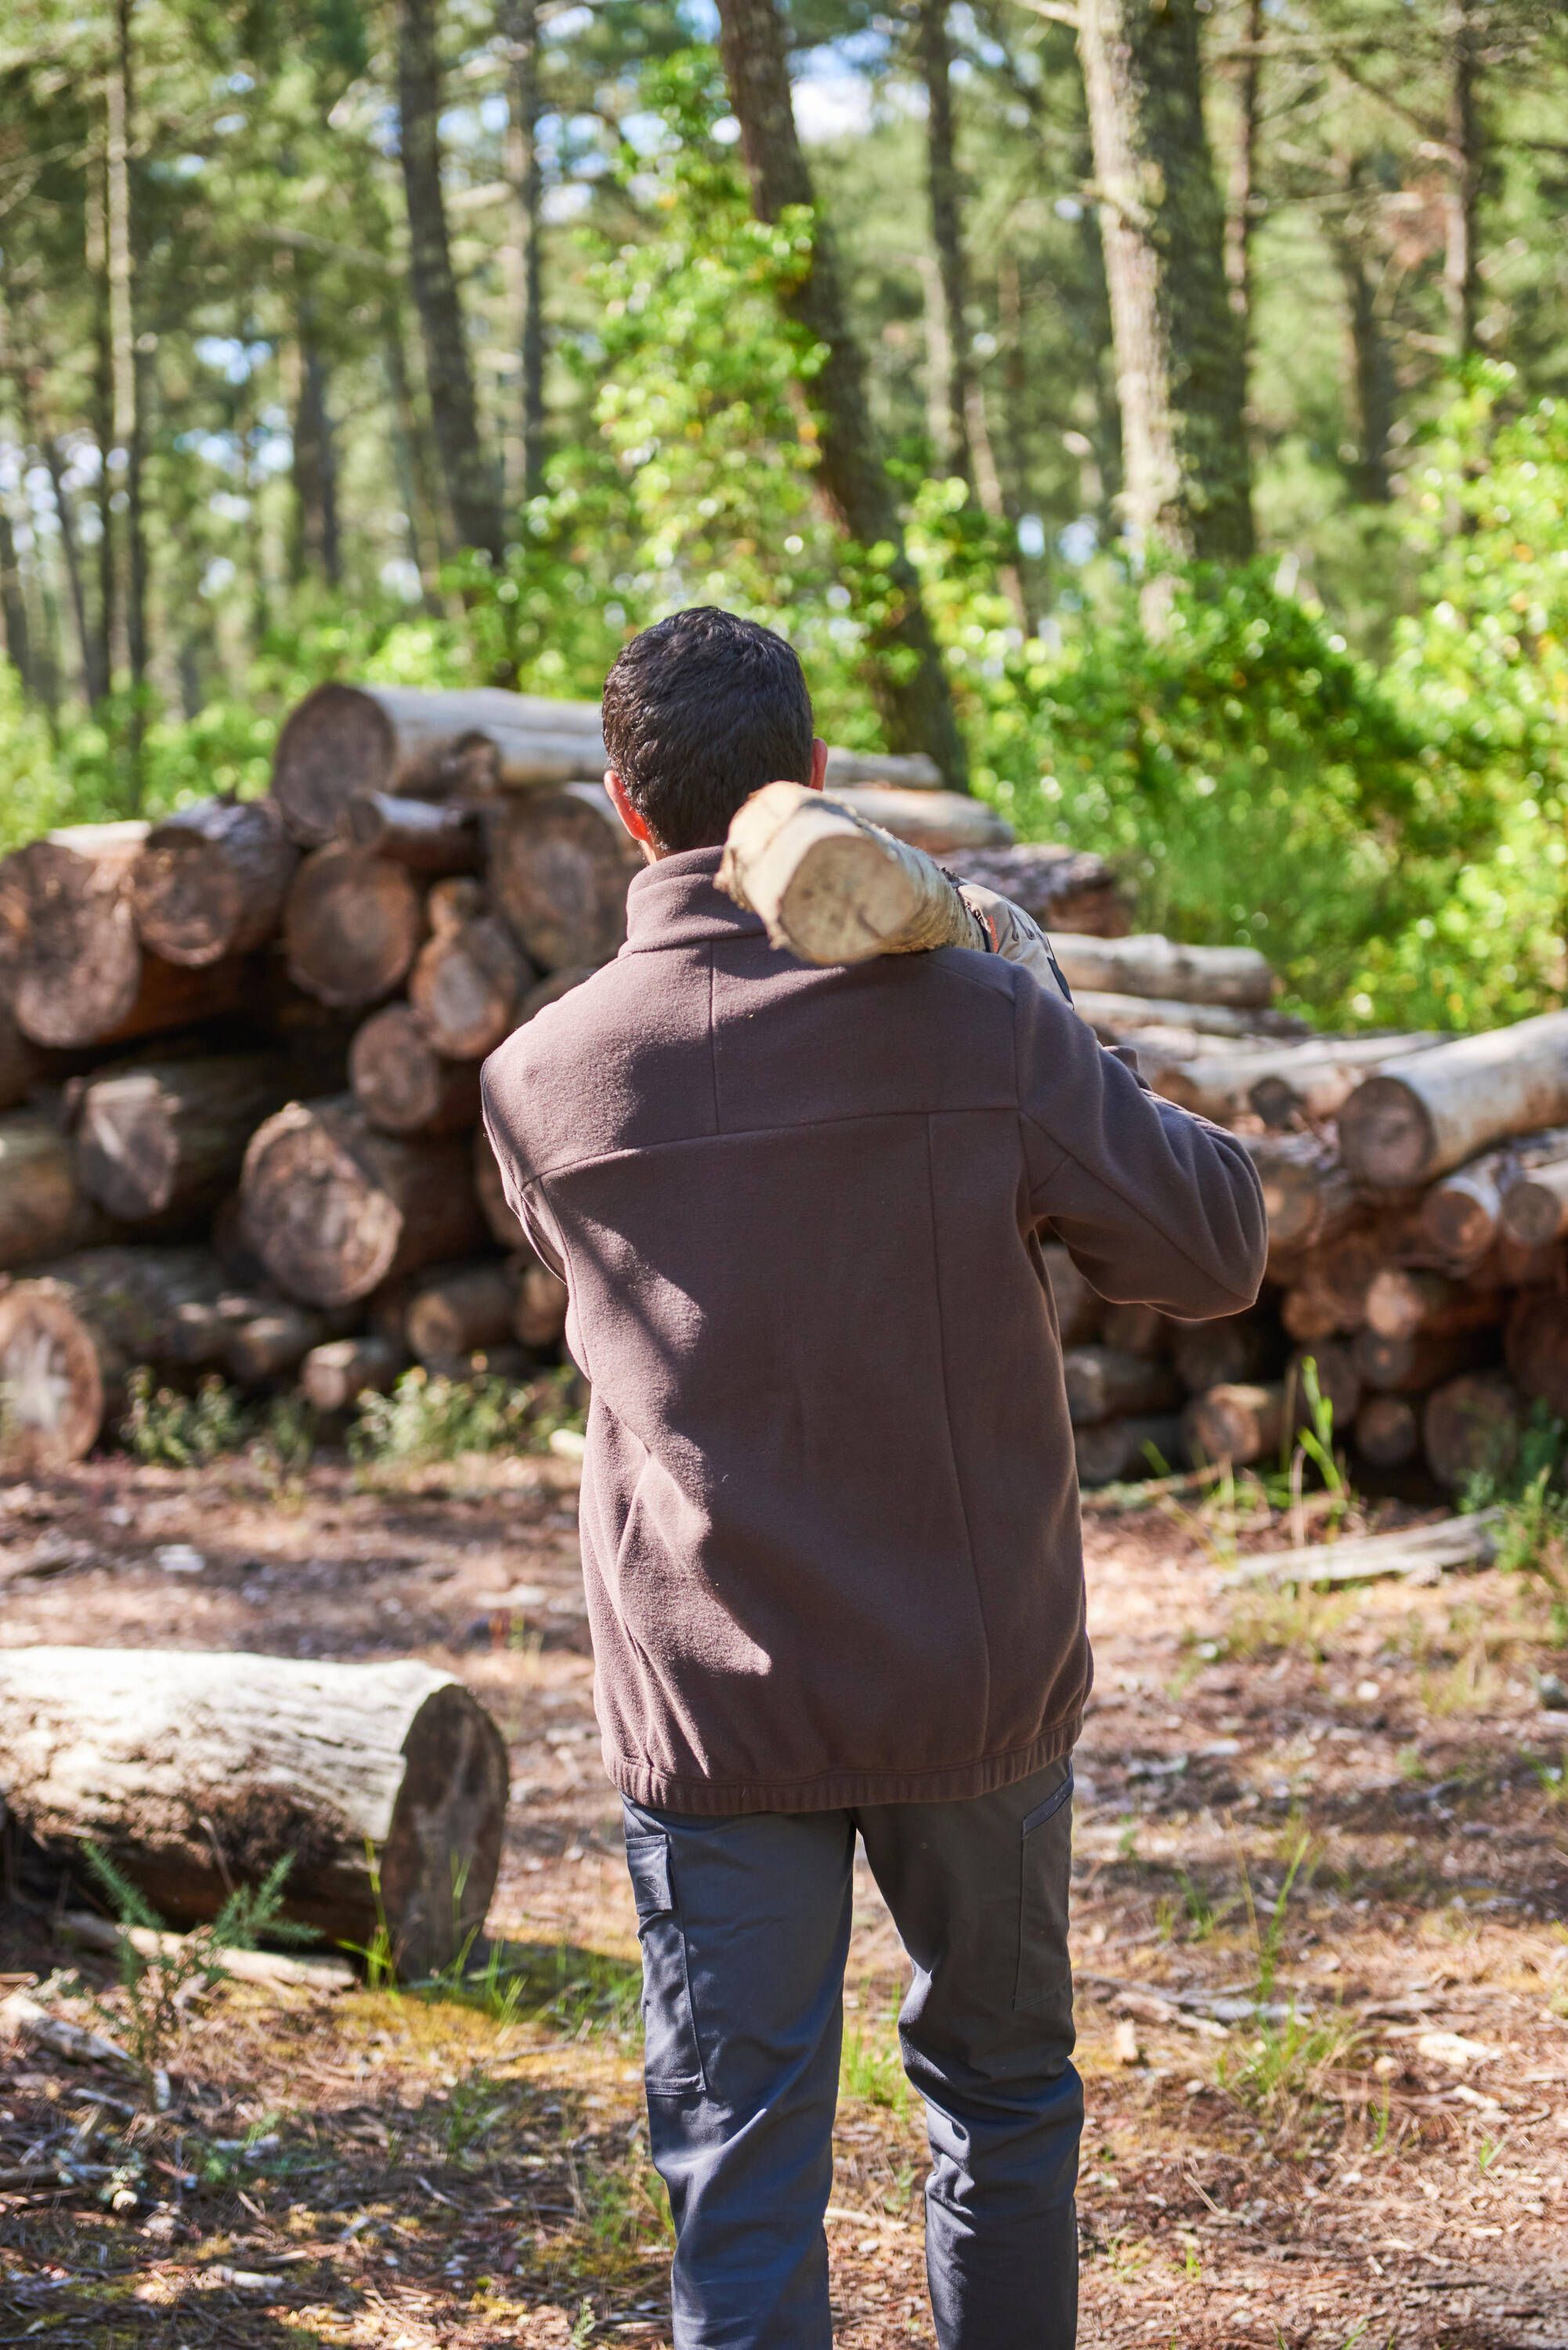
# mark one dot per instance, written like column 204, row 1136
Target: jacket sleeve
column 1155, row 1206
column 524, row 1198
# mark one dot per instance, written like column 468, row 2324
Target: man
column 829, row 1515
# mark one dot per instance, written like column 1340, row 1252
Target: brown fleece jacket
column 829, row 1511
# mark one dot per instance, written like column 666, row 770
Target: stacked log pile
column 240, row 1051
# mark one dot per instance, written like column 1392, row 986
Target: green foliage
column 180, row 1431
column 429, row 1417
column 1532, row 1536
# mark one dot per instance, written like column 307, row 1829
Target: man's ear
column 818, row 763
column 635, row 823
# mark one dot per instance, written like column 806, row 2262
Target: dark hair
column 699, row 712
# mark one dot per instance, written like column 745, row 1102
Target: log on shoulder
column 195, row 1771
column 830, row 888
column 1418, row 1117
column 334, row 1208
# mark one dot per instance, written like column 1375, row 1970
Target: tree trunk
column 403, row 1084
column 336, row 1375
column 1374, row 384
column 424, row 519
column 103, row 406
column 471, row 486
column 527, row 255
column 1103, row 1383
column 1180, row 374
column 560, row 866
column 1387, row 1434
column 467, row 987
column 71, row 1333
column 43, row 1211
column 539, row 1316
column 120, row 86
column 1472, row 1428
column 505, row 1228
column 945, row 194
column 461, row 1313
column 1241, row 217
column 385, row 1785
column 1117, row 1449
column 212, row 880
column 342, row 740
column 168, row 1138
column 1419, row 1118
column 1461, row 203
column 351, row 927
column 333, row 1209
column 95, row 679
column 315, row 457
column 1156, row 966
column 70, row 953
column 424, row 834
column 907, row 676
column 14, row 604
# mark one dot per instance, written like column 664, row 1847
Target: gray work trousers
column 744, row 1924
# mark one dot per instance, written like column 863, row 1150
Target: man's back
column 829, row 1511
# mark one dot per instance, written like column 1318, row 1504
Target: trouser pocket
column 1045, row 1983
column 673, row 2061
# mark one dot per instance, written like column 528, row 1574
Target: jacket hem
column 839, row 1791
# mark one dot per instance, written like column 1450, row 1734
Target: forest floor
column 1321, row 1934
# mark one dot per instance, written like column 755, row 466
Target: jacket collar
column 678, row 901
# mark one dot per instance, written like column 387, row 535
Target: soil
column 1321, row 1936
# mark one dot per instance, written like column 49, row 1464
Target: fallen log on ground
column 1419, row 1117
column 334, row 1207
column 1308, row 1196
column 72, row 1332
column 211, row 881
column 560, row 865
column 384, row 1785
column 84, row 1931
column 43, row 1211
column 403, row 1084
column 1237, row 1348
column 1401, row 1300
column 167, row 1139
column 1316, row 1078
column 20, row 1062
column 1469, row 1541
column 1462, row 1215
column 1411, row 1363
column 1119, row 1014
column 351, row 927
column 1240, row 1422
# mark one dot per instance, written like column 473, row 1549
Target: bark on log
column 1313, row 1081
column 539, row 1316
column 1472, row 1428
column 1535, row 1207
column 1078, row 1307
column 467, row 987
column 1150, row 965
column 1401, row 1300
column 505, row 1228
column 944, row 824
column 424, row 835
column 467, row 1308
column 351, row 927
column 1462, row 1216
column 1387, row 1434
column 1410, row 1365
column 1228, row 1353
column 1536, row 1346
column 403, row 1084
column 211, row 881
column 1102, row 1383
column 560, row 865
column 1240, row 1422
column 168, row 1138
column 1117, row 1449
column 458, row 900
column 345, row 740
column 1419, row 1118
column 831, row 890
column 1119, row 1015
column 336, row 1375
column 20, row 1062
column 1308, row 1196
column 1210, row 1075
column 43, row 1211
column 1060, row 888
column 69, row 955
column 71, row 1333
column 196, row 1771
column 335, row 1208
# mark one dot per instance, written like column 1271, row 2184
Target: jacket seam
column 714, row 1041
column 948, row 1416
column 749, row 1133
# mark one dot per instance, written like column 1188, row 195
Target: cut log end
column 351, row 927
column 334, row 1208
column 211, row 881
column 52, row 1396
column 403, row 1084
column 1386, row 1134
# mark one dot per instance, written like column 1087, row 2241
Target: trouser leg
column 979, row 1894
column 744, row 1925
